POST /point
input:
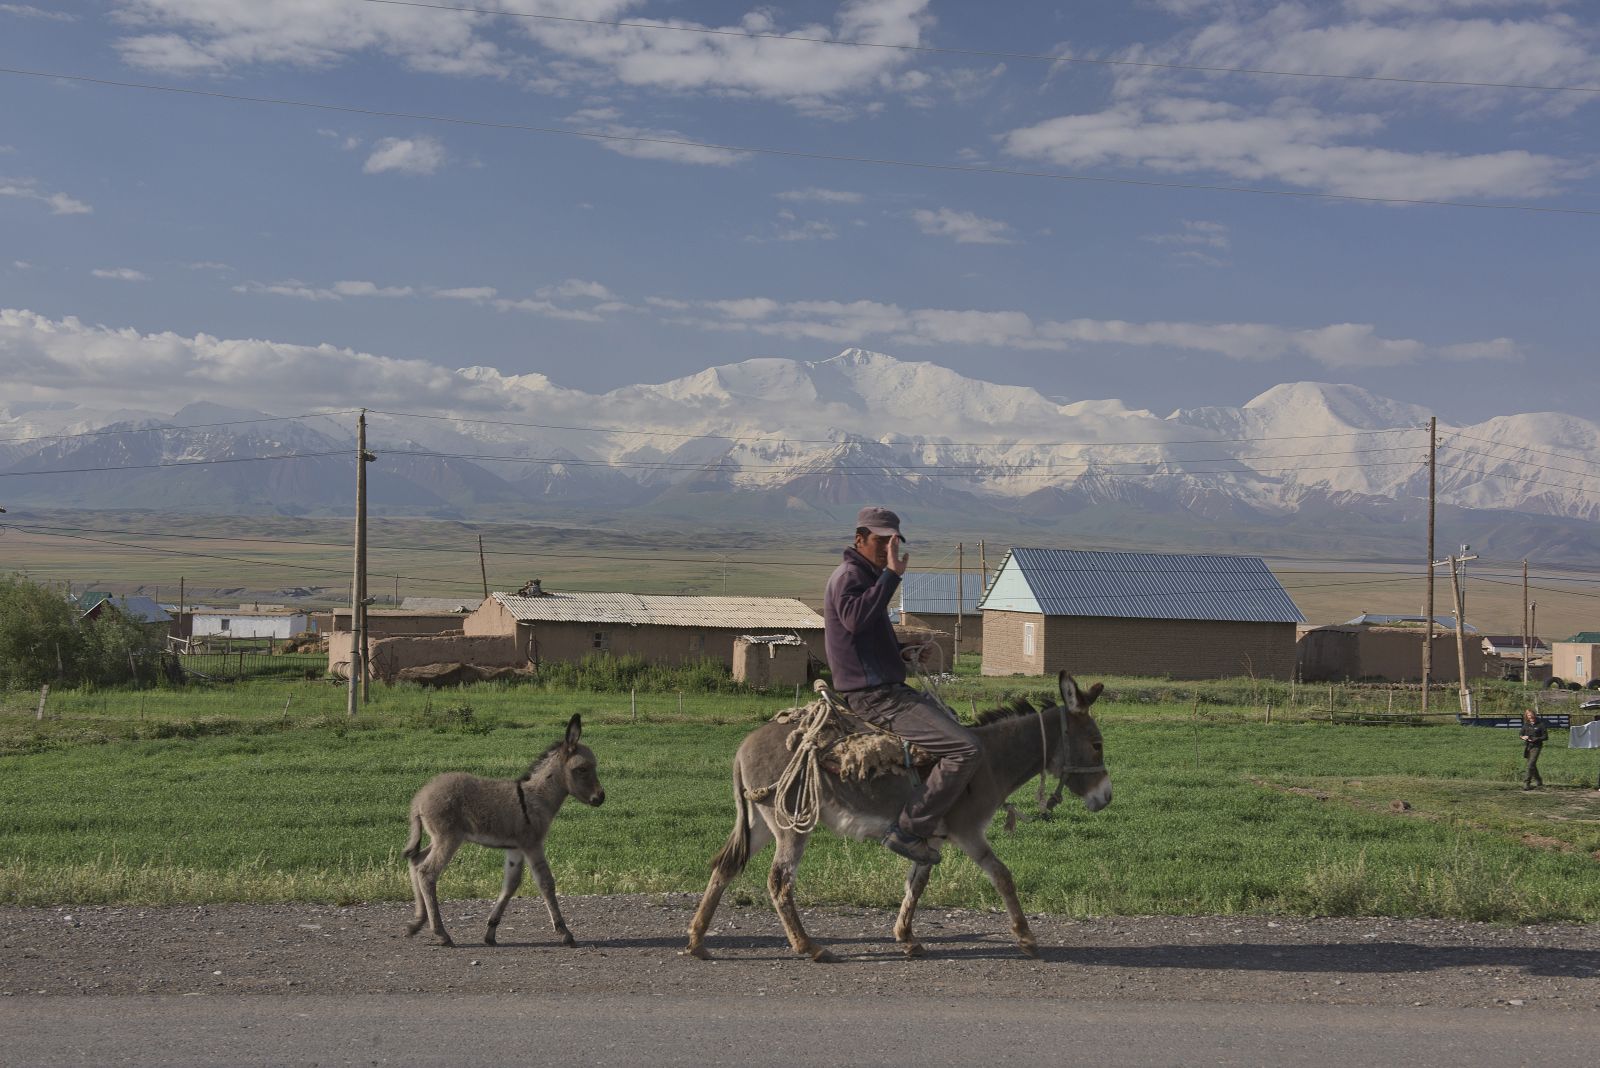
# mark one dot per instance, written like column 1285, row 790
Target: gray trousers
column 915, row 718
column 1530, row 775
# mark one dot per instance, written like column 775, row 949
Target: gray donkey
column 509, row 814
column 1018, row 743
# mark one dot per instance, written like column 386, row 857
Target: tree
column 42, row 641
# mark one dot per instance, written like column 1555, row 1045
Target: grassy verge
column 221, row 796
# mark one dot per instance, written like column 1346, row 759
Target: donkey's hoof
column 1029, row 949
column 697, row 952
column 914, row 949
column 444, row 940
column 569, row 941
column 488, row 937
column 823, row 956
column 413, row 928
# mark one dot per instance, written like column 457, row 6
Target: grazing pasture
column 265, row 792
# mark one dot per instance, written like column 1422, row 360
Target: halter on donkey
column 1018, row 743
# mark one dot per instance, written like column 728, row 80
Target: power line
column 176, row 463
column 1514, row 478
column 171, row 429
column 1515, row 460
column 836, row 441
column 982, row 53
column 788, row 153
column 1523, row 448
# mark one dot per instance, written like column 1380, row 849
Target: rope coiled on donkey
column 802, row 777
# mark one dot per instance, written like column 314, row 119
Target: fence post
column 44, row 694
column 633, row 704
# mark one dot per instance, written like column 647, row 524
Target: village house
column 135, row 607
column 1115, row 613
column 927, row 600
column 661, row 628
column 1573, row 660
column 1386, row 648
column 248, row 621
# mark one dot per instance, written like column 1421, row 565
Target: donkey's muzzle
column 597, row 800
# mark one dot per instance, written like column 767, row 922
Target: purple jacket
column 862, row 649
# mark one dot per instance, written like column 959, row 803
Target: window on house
column 602, row 639
column 225, row 623
column 697, row 643
column 1027, row 639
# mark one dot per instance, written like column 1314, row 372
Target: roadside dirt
column 628, row 945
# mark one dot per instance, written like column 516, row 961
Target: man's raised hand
column 898, row 557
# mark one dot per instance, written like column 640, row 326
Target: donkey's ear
column 574, row 731
column 1074, row 699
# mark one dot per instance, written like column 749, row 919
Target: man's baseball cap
column 879, row 521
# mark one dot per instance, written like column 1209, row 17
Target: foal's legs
column 514, row 869
column 547, row 887
column 426, row 876
column 760, row 835
column 420, row 915
column 976, row 846
column 780, row 887
column 916, row 883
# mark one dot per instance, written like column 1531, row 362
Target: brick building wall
column 1177, row 649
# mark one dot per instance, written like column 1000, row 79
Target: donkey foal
column 509, row 814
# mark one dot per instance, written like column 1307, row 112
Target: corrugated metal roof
column 1584, row 637
column 1078, row 582
column 934, row 592
column 136, row 607
column 440, row 604
column 665, row 610
column 1378, row 619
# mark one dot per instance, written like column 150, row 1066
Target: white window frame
column 1028, row 643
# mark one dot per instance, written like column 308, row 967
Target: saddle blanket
column 848, row 747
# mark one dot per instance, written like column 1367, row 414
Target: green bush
column 42, row 641
column 619, row 674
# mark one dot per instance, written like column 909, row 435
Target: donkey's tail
column 735, row 852
column 413, row 850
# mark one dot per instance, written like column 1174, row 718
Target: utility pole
column 358, row 590
column 1525, row 632
column 983, row 564
column 1427, row 611
column 190, row 635
column 483, row 569
column 961, row 590
column 1456, row 565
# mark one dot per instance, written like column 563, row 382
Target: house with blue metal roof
column 929, row 599
column 1173, row 615
column 137, row 607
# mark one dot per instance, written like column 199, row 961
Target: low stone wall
column 766, row 664
column 430, row 657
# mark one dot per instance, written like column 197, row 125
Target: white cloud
column 1288, row 143
column 68, row 360
column 293, row 287
column 853, row 323
column 642, row 143
column 28, row 189
column 208, row 265
column 575, row 288
column 215, row 36
column 1194, row 232
column 120, row 274
column 22, row 265
column 821, row 196
column 28, row 11
column 549, row 310
column 964, row 227
column 476, row 294
column 798, row 72
column 408, row 155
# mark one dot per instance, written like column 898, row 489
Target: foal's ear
column 574, row 731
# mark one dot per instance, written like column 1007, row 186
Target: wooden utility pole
column 1427, row 611
column 983, row 564
column 358, row 589
column 1526, row 636
column 961, row 592
column 190, row 635
column 483, row 569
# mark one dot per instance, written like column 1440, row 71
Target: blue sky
column 141, row 229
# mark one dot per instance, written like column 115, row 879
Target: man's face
column 875, row 547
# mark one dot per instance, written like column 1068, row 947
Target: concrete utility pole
column 358, row 589
column 961, row 590
column 1526, row 635
column 1427, row 611
column 1457, row 564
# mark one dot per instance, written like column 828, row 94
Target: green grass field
column 266, row 792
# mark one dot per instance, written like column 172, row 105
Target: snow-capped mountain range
column 783, row 436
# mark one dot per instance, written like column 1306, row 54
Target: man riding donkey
column 869, row 674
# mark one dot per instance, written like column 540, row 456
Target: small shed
column 929, row 600
column 135, row 607
column 1382, row 653
column 661, row 628
column 1573, row 659
column 249, row 621
column 1115, row 613
column 768, row 660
